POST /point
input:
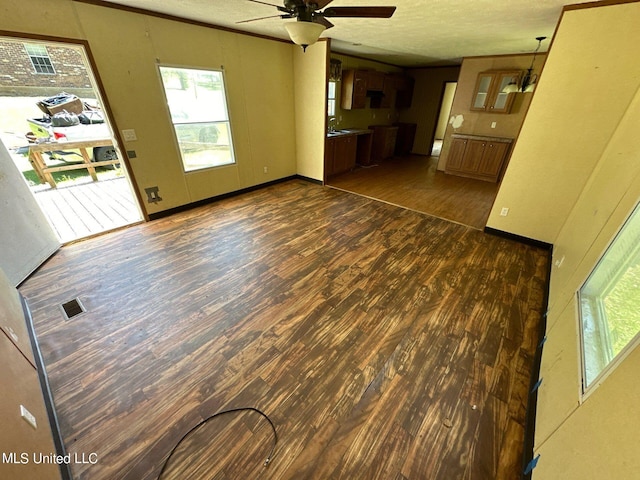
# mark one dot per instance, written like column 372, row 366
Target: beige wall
column 573, row 179
column 589, row 79
column 447, row 103
column 310, row 73
column 602, row 431
column 479, row 123
column 127, row 47
column 21, row 387
column 427, row 94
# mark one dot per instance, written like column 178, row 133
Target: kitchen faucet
column 332, row 124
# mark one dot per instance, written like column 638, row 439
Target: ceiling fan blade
column 264, row 3
column 279, row 7
column 363, row 12
column 264, row 18
column 322, row 21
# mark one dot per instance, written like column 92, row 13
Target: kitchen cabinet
column 344, row 148
column 405, row 138
column 354, row 89
column 340, row 153
column 390, row 89
column 488, row 95
column 375, row 80
column 478, row 157
column 356, row 84
column 386, row 100
column 383, row 144
column 404, row 91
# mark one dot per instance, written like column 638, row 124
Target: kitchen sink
column 338, row 132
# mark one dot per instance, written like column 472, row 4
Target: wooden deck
column 383, row 343
column 86, row 209
column 413, row 182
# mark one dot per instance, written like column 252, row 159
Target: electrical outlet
column 13, row 334
column 28, row 416
column 493, row 124
column 504, row 212
column 266, row 169
column 153, row 195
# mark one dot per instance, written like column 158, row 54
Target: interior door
column 26, row 239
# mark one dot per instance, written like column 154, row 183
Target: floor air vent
column 72, row 308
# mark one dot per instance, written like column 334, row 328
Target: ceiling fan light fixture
column 304, row 33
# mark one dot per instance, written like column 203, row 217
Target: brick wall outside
column 19, row 78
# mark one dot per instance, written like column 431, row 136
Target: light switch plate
column 129, row 135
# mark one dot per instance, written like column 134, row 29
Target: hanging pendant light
column 529, row 80
column 511, row 87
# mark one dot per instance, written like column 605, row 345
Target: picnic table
column 44, row 171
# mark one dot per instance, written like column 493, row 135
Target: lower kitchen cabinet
column 384, row 142
column 406, row 137
column 478, row 157
column 340, row 153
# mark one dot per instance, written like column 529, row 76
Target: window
column 198, row 108
column 610, row 304
column 40, row 58
column 331, row 98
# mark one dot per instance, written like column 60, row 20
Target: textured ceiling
column 420, row 33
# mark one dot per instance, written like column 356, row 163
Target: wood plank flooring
column 383, row 343
column 413, row 182
column 86, row 209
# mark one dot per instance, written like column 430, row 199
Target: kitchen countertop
column 482, row 137
column 342, row 132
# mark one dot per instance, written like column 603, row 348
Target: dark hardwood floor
column 383, row 343
column 413, row 182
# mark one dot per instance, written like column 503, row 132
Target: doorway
column 449, row 91
column 58, row 135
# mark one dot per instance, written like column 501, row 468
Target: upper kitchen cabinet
column 404, row 91
column 354, row 89
column 383, row 89
column 488, row 95
column 388, row 93
column 375, row 80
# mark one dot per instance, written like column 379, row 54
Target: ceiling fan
column 311, row 21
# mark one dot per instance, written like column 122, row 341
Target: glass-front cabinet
column 481, row 94
column 489, row 95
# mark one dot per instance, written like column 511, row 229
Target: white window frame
column 39, row 60
column 330, row 113
column 611, row 360
column 227, row 122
